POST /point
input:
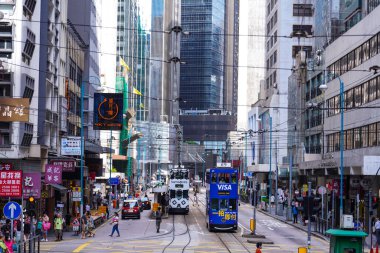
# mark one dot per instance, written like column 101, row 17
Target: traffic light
column 31, row 206
column 375, row 203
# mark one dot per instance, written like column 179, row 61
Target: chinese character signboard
column 11, row 183
column 53, row 174
column 32, row 184
column 14, row 109
column 108, row 111
column 5, row 166
column 70, row 146
column 67, row 165
column 76, row 194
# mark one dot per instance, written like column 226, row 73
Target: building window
column 28, row 8
column 28, row 135
column 72, row 70
column 357, row 138
column 5, row 134
column 29, row 88
column 79, row 76
column 372, row 135
column 27, row 54
column 302, row 10
column 303, row 28
column 358, row 96
column 364, row 136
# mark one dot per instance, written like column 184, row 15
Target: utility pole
column 276, row 191
column 308, row 217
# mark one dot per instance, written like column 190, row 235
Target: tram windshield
column 223, row 204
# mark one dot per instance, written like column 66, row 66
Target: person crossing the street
column 115, row 223
column 259, row 246
column 158, row 219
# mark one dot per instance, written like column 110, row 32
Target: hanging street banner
column 11, row 183
column 76, row 194
column 67, row 165
column 53, row 174
column 70, row 145
column 14, row 109
column 108, row 111
column 32, row 184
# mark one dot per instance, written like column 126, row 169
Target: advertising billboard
column 108, row 111
column 14, row 109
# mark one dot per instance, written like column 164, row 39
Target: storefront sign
column 53, row 174
column 11, row 183
column 14, row 109
column 70, row 146
column 77, row 194
column 32, row 184
column 67, row 165
column 6, row 166
column 108, row 111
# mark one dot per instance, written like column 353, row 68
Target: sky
column 145, row 7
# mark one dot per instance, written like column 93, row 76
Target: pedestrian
column 377, row 231
column 6, row 228
column 90, row 225
column 259, row 246
column 272, row 200
column 27, row 227
column 83, row 222
column 45, row 227
column 115, row 223
column 9, row 243
column 295, row 214
column 158, row 219
column 39, row 227
column 76, row 225
column 3, row 246
column 58, row 227
column 107, row 212
column 88, row 207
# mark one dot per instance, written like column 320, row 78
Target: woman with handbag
column 45, row 227
column 76, row 225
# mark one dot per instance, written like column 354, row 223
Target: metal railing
column 321, row 226
column 32, row 245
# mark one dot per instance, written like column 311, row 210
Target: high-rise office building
column 208, row 80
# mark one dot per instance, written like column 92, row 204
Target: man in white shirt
column 377, row 230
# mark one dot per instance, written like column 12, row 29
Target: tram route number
column 227, row 215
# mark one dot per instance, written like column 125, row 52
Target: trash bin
column 346, row 241
column 114, row 203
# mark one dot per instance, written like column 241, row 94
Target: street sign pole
column 308, row 218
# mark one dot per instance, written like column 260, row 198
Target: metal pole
column 290, row 183
column 333, row 209
column 357, row 209
column 245, row 159
column 110, row 190
column 341, row 144
column 81, row 146
column 308, row 218
column 196, row 172
column 159, row 164
column 254, row 202
column 322, row 205
column 276, row 191
column 270, row 163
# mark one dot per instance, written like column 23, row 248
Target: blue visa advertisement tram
column 222, row 199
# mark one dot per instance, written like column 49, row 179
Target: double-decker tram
column 179, row 185
column 222, row 199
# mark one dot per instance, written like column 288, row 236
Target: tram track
column 187, row 231
column 223, row 237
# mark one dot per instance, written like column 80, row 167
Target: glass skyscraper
column 201, row 79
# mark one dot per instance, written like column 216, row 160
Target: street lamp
column 99, row 88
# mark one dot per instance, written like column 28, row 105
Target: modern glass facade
column 201, row 79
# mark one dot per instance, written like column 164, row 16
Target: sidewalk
column 298, row 225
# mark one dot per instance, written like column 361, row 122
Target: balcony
column 49, row 116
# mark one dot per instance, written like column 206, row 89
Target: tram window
column 222, row 178
column 172, row 194
column 233, row 178
column 208, row 177
column 224, row 204
column 185, row 194
column 178, row 194
column 214, row 204
column 213, row 178
column 232, row 205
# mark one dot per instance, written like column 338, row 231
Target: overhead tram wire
column 197, row 32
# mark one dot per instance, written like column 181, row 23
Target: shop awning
column 59, row 187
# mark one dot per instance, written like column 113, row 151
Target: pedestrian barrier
column 321, row 226
column 32, row 245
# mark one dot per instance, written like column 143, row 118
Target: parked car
column 146, row 203
column 130, row 209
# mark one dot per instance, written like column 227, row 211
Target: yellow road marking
column 84, row 245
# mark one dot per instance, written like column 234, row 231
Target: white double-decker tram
column 179, row 184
